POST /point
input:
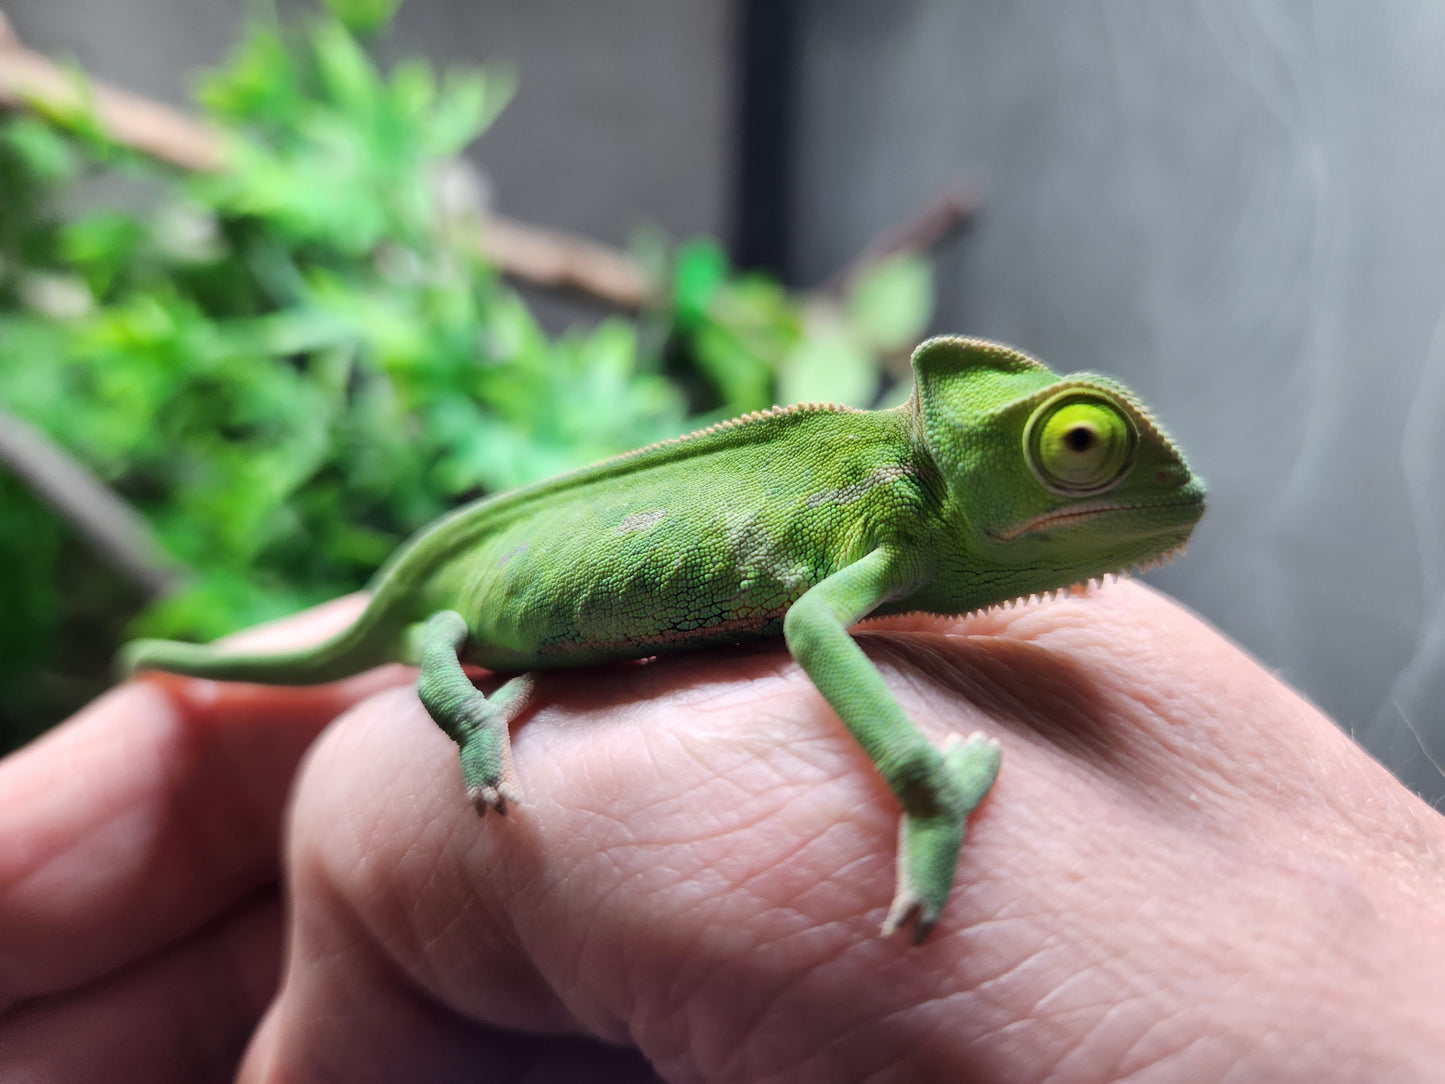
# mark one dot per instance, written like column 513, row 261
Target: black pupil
column 1079, row 439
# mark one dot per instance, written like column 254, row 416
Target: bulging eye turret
column 1080, row 442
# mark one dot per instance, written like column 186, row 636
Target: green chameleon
column 996, row 481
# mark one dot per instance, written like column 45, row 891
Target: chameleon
column 996, row 481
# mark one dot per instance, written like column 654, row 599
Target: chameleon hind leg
column 477, row 723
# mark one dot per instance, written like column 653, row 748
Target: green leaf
column 41, row 148
column 364, row 16
column 892, row 301
column 466, row 106
column 413, row 87
column 828, row 366
column 258, row 85
column 736, row 366
column 101, row 246
column 700, row 267
column 347, row 73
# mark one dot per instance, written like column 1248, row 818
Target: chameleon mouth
column 1079, row 513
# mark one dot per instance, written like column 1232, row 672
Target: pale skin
column 1184, row 872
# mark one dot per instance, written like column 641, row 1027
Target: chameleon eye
column 1080, row 443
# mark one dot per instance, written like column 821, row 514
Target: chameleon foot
column 928, row 843
column 475, row 722
column 489, row 787
column 487, row 770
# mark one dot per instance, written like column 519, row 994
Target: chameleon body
column 997, row 481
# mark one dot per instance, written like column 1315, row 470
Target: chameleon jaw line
column 1062, row 515
column 1077, row 514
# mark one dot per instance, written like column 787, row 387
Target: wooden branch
column 119, row 533
column 29, row 80
column 552, row 260
column 926, row 228
column 560, row 261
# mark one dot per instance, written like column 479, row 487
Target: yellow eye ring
column 1080, row 442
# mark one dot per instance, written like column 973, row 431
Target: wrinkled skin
column 1185, row 872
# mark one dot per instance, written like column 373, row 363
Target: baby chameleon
column 996, row 481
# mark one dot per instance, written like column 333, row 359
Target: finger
column 398, row 1032
column 184, row 1015
column 148, row 814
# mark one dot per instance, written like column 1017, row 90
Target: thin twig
column 119, row 533
column 546, row 258
column 29, row 80
column 927, row 227
column 559, row 261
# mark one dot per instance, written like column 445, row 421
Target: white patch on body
column 760, row 555
column 879, row 476
column 641, row 521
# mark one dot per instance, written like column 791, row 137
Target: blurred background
column 248, row 345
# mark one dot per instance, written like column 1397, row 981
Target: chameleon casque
column 998, row 480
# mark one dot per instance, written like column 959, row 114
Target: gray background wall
column 622, row 118
column 1234, row 206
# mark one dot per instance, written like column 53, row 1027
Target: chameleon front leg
column 938, row 790
column 475, row 722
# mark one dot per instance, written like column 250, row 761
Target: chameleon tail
column 371, row 640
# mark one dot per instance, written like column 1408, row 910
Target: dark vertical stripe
column 767, row 64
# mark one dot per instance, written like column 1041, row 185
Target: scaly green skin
column 998, row 480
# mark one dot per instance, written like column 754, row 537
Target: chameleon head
column 1069, row 477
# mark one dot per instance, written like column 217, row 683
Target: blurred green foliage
column 290, row 364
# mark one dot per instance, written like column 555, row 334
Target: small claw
column 903, row 910
column 975, row 739
column 495, row 798
column 908, row 909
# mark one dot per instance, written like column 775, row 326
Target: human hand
column 1184, row 872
